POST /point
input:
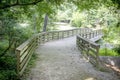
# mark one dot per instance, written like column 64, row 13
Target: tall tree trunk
column 45, row 22
column 34, row 23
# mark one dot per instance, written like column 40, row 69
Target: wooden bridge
column 85, row 41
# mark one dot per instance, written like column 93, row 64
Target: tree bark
column 19, row 4
column 45, row 22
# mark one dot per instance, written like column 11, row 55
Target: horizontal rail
column 25, row 50
column 93, row 35
column 89, row 49
column 54, row 35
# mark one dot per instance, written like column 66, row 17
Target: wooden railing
column 89, row 48
column 54, row 35
column 25, row 50
column 91, row 35
column 24, row 53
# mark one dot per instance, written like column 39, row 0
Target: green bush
column 117, row 49
column 8, row 75
column 108, row 52
column 3, row 45
column 78, row 19
column 8, row 68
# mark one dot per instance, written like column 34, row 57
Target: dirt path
column 60, row 60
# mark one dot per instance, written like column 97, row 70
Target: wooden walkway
column 61, row 60
column 85, row 35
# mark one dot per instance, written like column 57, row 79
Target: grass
column 108, row 52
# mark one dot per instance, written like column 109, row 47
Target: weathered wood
column 88, row 48
column 25, row 50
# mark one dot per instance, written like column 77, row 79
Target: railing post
column 43, row 38
column 86, row 35
column 18, row 62
column 47, row 36
column 82, row 35
column 57, row 35
column 62, row 34
column 52, row 36
column 97, row 56
column 72, row 32
column 90, row 36
column 95, row 32
column 36, row 40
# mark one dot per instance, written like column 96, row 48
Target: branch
column 4, row 52
column 20, row 4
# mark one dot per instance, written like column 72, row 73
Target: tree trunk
column 34, row 24
column 45, row 22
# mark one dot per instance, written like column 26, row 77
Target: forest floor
column 61, row 60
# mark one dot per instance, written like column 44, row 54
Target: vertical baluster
column 95, row 32
column 97, row 56
column 83, row 35
column 18, row 61
column 40, row 39
column 90, row 35
column 37, row 40
column 86, row 35
column 52, row 35
column 58, row 35
column 62, row 34
column 48, row 36
column 81, row 31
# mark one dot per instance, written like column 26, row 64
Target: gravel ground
column 61, row 60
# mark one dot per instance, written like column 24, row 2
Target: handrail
column 25, row 50
column 88, row 48
column 92, row 34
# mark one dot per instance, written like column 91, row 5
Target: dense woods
column 20, row 19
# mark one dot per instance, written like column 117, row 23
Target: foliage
column 101, row 16
column 112, row 35
column 19, row 19
column 30, row 65
column 78, row 19
column 7, row 68
column 88, row 4
column 65, row 11
column 108, row 52
column 117, row 49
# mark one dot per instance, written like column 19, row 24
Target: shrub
column 108, row 52
column 8, row 75
column 117, row 49
column 78, row 19
column 8, row 68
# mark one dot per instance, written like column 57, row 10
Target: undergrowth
column 108, row 52
column 8, row 68
column 29, row 66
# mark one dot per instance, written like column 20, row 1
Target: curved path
column 60, row 60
